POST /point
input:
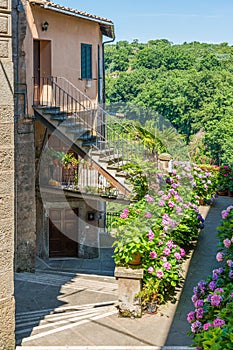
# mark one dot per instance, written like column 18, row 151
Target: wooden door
column 42, row 71
column 63, row 232
column 36, row 71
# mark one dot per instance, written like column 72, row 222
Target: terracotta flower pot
column 222, row 193
column 136, row 259
column 201, row 201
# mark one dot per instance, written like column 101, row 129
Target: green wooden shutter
column 86, row 61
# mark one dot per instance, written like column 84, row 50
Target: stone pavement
column 60, row 310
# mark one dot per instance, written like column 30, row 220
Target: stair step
column 121, row 174
column 59, row 117
column 116, row 166
column 47, row 109
column 89, row 142
column 78, row 131
column 103, row 152
column 111, row 159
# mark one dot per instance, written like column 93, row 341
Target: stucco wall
column 7, row 180
column 66, row 34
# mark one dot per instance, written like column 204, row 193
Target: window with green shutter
column 86, row 61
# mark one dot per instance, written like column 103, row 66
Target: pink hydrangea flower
column 153, row 255
column 225, row 214
column 149, row 199
column 159, row 273
column 191, row 316
column 150, row 269
column 166, row 251
column 161, row 203
column 206, row 326
column 169, row 244
column 219, row 256
column 227, row 242
column 150, row 235
column 167, row 265
column 148, row 215
column 124, row 214
column 171, row 204
column 182, row 252
column 177, row 256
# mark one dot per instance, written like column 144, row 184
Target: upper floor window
column 86, row 61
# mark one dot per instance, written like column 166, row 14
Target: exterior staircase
column 87, row 129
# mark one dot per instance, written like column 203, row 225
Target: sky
column 209, row 21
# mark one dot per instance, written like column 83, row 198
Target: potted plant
column 150, row 296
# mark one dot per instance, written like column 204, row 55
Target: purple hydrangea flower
column 207, row 325
column 199, row 313
column 218, row 322
column 196, row 327
column 216, row 300
column 191, row 316
column 199, row 303
column 212, row 285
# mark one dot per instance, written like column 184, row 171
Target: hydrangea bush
column 161, row 227
column 211, row 321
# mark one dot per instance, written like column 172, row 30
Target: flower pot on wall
column 222, row 193
column 136, row 259
column 201, row 201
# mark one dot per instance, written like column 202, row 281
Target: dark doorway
column 41, row 67
column 63, row 232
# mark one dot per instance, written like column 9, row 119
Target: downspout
column 104, row 80
column 103, row 209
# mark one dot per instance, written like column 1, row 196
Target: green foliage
column 190, row 85
column 211, row 321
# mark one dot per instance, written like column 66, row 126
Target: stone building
column 7, row 179
column 59, row 87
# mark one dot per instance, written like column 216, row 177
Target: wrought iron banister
column 111, row 138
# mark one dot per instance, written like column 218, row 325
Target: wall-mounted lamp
column 44, row 26
column 88, row 83
column 91, row 215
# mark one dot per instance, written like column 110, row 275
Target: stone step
column 102, row 347
column 110, row 159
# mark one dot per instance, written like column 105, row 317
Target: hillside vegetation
column 191, row 85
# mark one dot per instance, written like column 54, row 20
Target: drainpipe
column 104, row 82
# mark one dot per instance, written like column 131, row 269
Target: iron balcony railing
column 110, row 137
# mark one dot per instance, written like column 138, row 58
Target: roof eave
column 106, row 27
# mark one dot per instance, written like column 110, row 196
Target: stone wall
column 7, row 180
column 24, row 149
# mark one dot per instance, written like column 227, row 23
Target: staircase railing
column 111, row 138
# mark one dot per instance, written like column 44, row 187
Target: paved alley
column 61, row 310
